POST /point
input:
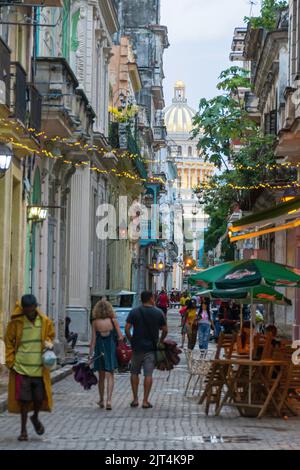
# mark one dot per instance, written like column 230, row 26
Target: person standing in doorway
column 205, row 323
column 28, row 333
column 146, row 321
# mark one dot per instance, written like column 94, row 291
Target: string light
column 293, row 184
column 119, row 174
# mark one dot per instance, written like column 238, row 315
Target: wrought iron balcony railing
column 19, row 92
column 4, row 74
column 35, row 100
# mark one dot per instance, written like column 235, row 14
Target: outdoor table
column 235, row 375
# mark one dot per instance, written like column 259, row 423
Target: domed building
column 192, row 171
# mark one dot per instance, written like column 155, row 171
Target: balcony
column 160, row 136
column 18, row 92
column 138, row 162
column 120, row 137
column 42, row 3
column 57, row 84
column 35, row 103
column 4, row 79
column 157, row 89
column 251, row 106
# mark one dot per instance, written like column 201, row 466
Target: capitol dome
column 179, row 116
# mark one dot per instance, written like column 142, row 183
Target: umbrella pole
column 251, row 345
column 241, row 318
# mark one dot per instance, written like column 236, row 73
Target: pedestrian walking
column 183, row 325
column 146, row 321
column 163, row 301
column 106, row 333
column 69, row 335
column 28, row 333
column 190, row 323
column 205, row 323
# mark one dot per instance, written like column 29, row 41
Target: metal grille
column 35, row 117
column 5, row 72
column 20, row 93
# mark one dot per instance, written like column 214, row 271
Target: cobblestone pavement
column 175, row 422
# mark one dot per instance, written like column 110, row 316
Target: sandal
column 101, row 404
column 134, row 404
column 23, row 437
column 146, row 407
column 38, row 427
column 108, row 407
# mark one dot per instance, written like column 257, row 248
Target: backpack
column 124, row 354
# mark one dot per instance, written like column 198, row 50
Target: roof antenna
column 252, row 3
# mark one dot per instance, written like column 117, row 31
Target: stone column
column 78, row 301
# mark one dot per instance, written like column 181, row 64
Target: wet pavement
column 174, row 422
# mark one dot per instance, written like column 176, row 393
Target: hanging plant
column 124, row 115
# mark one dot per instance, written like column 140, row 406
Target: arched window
column 179, row 151
column 190, row 152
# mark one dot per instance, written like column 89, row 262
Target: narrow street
column 174, row 423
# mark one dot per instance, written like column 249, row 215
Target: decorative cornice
column 110, row 15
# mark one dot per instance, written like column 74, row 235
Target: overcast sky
column 200, row 34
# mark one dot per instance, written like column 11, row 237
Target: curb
column 56, row 376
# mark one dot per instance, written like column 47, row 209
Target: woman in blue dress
column 106, row 333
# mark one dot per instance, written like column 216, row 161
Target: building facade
column 193, row 172
column 140, row 21
column 271, row 57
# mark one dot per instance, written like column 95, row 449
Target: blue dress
column 108, row 346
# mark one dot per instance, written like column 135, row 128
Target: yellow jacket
column 13, row 338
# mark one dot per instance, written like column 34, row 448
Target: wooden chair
column 262, row 346
column 290, row 382
column 198, row 368
column 214, row 380
column 226, row 344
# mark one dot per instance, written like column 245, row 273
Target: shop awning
column 271, row 220
column 267, row 216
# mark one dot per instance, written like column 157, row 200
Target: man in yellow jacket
column 28, row 333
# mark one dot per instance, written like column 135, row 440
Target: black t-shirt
column 146, row 322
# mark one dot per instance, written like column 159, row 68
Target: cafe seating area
column 266, row 385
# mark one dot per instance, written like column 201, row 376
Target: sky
column 200, row 36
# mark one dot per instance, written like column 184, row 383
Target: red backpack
column 124, row 354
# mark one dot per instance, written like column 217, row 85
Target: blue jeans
column 204, row 334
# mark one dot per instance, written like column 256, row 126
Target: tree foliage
column 268, row 14
column 218, row 123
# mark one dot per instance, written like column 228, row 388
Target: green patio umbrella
column 261, row 294
column 246, row 273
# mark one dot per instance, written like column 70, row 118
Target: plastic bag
column 49, row 359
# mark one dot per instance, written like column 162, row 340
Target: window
column 179, row 150
column 190, row 152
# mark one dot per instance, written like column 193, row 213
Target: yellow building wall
column 12, row 242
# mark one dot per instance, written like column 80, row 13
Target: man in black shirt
column 147, row 321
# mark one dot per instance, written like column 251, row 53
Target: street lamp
column 161, row 265
column 5, row 159
column 37, row 213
